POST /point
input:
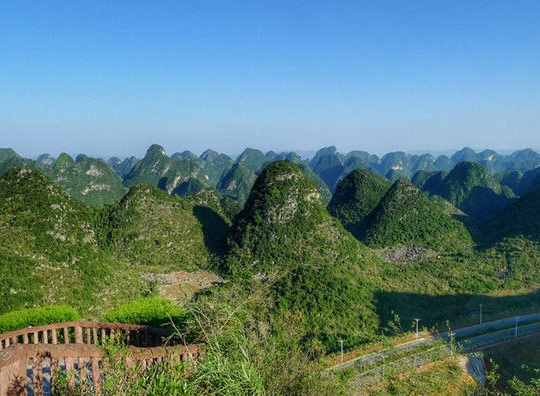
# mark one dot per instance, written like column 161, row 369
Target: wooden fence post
column 78, row 334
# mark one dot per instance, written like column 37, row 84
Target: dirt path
column 180, row 286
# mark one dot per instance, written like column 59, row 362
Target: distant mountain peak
column 156, row 149
column 64, row 160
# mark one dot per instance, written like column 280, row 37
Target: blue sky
column 112, row 77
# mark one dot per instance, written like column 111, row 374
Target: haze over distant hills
column 184, row 173
column 471, row 186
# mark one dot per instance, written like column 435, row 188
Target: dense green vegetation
column 472, row 189
column 159, row 170
column 237, row 182
column 285, row 236
column 152, row 311
column 355, row 197
column 88, row 180
column 10, row 159
column 93, row 181
column 514, row 368
column 521, row 218
column 215, row 216
column 297, row 281
column 239, row 358
column 405, row 216
column 253, row 159
column 152, row 228
column 328, row 164
column 49, row 252
column 215, row 165
column 122, row 168
column 22, row 318
column 332, row 166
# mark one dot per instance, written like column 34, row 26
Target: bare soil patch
column 181, row 286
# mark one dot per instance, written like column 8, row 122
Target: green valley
column 284, row 259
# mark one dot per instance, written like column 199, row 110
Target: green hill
column 49, row 252
column 528, row 182
column 521, row 218
column 523, row 160
column 10, row 159
column 422, row 162
column 91, row 181
column 46, row 159
column 326, row 195
column 186, row 154
column 395, row 165
column 304, row 165
column 472, row 189
column 237, row 182
column 215, row 165
column 420, row 178
column 208, row 209
column 58, row 222
column 211, row 199
column 356, row 160
column 511, row 179
column 328, row 165
column 158, row 170
column 465, row 176
column 444, row 163
column 122, row 168
column 253, row 159
column 355, row 197
column 434, row 184
column 285, row 235
column 189, row 187
column 406, row 216
column 231, row 207
column 466, row 154
column 7, row 153
column 152, row 228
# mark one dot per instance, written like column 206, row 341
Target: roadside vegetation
column 445, row 378
column 514, row 369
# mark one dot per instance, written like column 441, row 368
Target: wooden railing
column 86, row 333
column 74, row 346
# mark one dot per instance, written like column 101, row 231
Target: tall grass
column 22, row 318
column 241, row 356
column 153, row 311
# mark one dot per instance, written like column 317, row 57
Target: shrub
column 22, row 318
column 153, row 311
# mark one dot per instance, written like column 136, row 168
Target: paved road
column 468, row 338
column 384, row 364
column 492, row 326
column 498, row 336
column 411, row 362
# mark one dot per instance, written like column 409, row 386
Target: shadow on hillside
column 483, row 203
column 214, row 229
column 458, row 309
column 162, row 183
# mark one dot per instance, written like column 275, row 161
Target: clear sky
column 112, row 77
